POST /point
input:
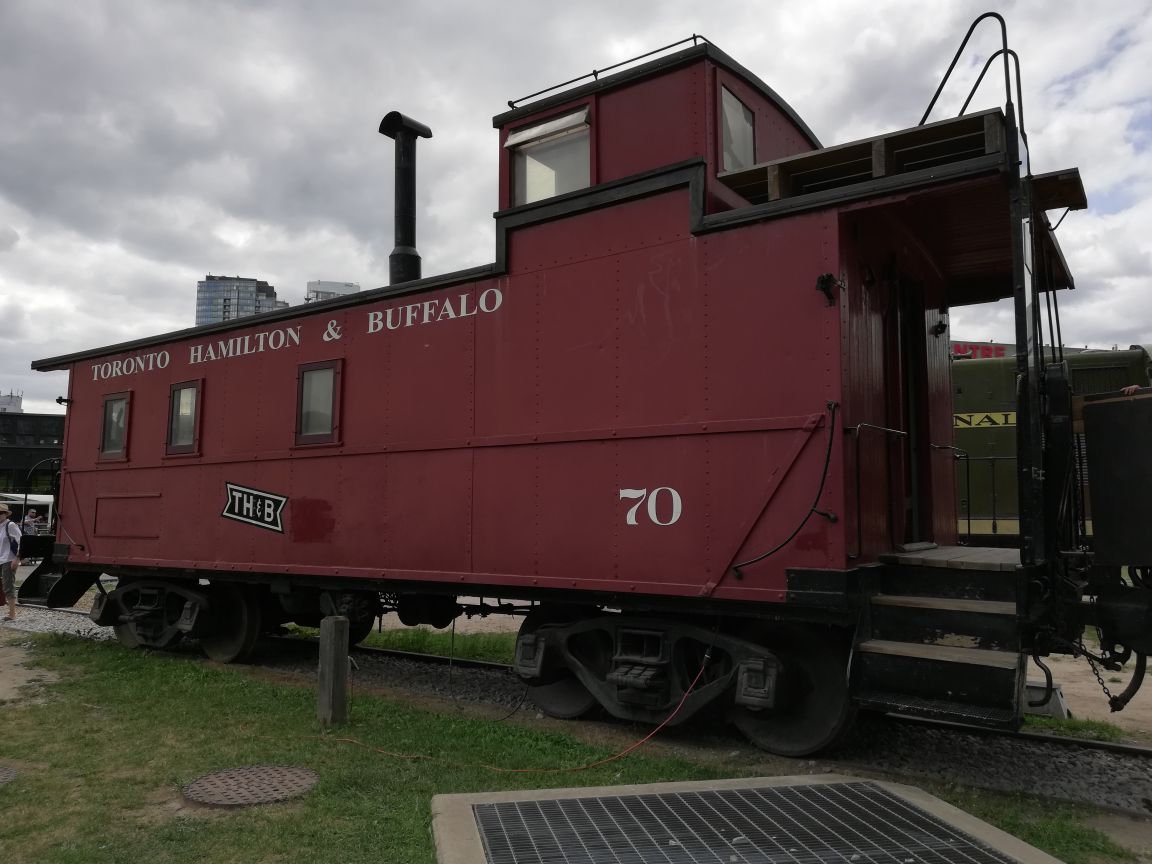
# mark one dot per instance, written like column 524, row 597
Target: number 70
column 639, row 495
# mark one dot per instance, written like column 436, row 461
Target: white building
column 320, row 290
column 13, row 403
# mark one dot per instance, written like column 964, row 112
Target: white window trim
column 549, row 128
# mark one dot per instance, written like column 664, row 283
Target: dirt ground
column 15, row 676
column 1086, row 700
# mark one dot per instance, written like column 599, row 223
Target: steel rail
column 1138, row 750
column 50, row 609
column 1118, row 747
column 397, row 654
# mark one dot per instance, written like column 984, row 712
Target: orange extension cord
column 502, row 770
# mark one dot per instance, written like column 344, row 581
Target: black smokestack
column 404, row 262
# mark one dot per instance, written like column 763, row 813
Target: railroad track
column 1121, row 748
column 1140, row 750
column 414, row 656
column 1117, row 776
column 77, row 612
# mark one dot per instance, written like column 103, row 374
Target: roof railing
column 596, row 73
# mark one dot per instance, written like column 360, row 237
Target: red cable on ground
column 630, row 748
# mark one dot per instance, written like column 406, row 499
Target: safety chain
column 1091, row 662
column 1095, row 671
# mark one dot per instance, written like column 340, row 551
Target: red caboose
column 703, row 389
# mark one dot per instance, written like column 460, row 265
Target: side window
column 114, row 427
column 550, row 158
column 739, row 125
column 318, row 403
column 184, row 418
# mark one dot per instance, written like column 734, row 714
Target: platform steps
column 940, row 641
column 51, row 586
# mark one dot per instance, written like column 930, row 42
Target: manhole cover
column 257, row 784
column 7, row 775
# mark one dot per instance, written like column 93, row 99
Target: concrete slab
column 1056, row 706
column 458, row 839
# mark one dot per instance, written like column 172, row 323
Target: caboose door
column 907, row 408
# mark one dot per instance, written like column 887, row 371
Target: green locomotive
column 984, row 423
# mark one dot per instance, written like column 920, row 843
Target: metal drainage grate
column 7, row 775
column 835, row 822
column 257, row 784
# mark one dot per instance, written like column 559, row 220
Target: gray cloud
column 144, row 145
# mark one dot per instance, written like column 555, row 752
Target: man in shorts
column 9, row 559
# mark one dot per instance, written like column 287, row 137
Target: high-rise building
column 320, row 290
column 28, row 444
column 13, row 403
column 224, row 298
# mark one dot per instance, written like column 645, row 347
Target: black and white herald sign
column 254, row 507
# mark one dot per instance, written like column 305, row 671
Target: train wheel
column 561, row 695
column 234, row 625
column 814, row 711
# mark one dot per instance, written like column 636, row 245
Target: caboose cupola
column 694, row 104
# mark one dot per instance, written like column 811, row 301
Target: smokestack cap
column 394, row 122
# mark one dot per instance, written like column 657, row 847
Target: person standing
column 9, row 558
column 30, row 528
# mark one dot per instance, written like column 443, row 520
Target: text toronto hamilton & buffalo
column 394, row 318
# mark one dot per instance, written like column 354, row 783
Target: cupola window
column 739, row 133
column 550, row 158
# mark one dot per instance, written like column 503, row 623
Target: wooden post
column 332, row 686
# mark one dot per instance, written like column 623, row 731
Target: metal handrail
column 1019, row 95
column 960, row 50
column 596, row 73
column 962, row 454
column 992, row 460
column 28, row 480
column 855, row 430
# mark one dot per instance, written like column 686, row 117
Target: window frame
column 120, row 455
column 569, row 122
column 332, row 437
column 723, row 126
column 192, row 449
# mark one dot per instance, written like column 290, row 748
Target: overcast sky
column 145, row 143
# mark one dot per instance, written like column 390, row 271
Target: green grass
column 103, row 759
column 106, row 749
column 1094, row 730
column 1055, row 828
column 494, row 647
